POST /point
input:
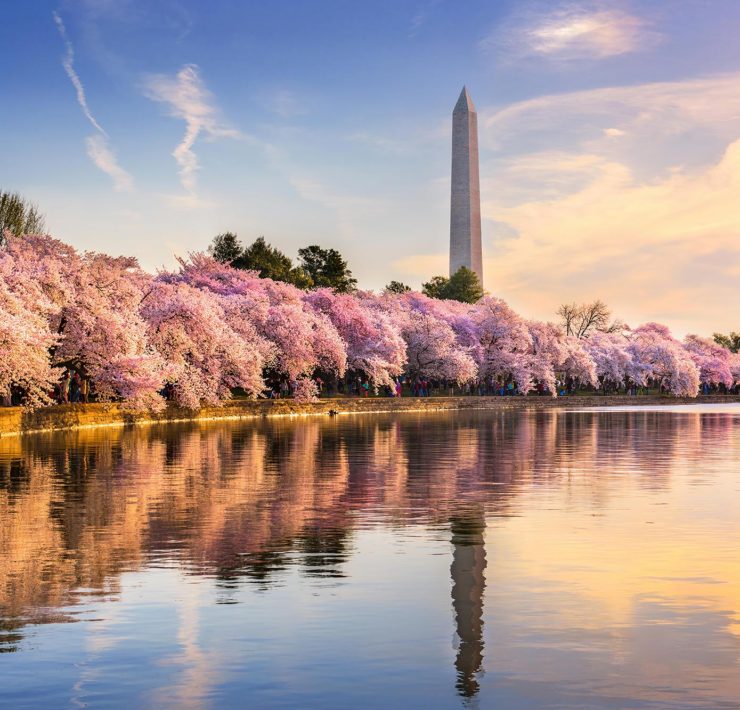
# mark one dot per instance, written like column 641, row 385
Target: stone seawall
column 15, row 420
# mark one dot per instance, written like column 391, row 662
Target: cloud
column 645, row 217
column 187, row 98
column 68, row 64
column 104, row 158
column 668, row 107
column 667, row 249
column 98, row 148
column 573, row 31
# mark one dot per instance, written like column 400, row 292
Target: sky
column 609, row 138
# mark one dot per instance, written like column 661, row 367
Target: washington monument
column 465, row 233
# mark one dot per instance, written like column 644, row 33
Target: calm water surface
column 471, row 559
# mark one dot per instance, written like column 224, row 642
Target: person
column 74, row 388
column 64, row 388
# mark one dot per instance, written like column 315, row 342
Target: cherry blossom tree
column 300, row 339
column 305, row 390
column 657, row 356
column 714, row 361
column 432, row 346
column 575, row 361
column 89, row 303
column 373, row 342
column 103, row 335
column 272, row 318
column 610, row 355
column 206, row 358
column 504, row 342
column 25, row 342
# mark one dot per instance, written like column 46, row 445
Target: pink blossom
column 714, row 361
column 305, row 390
column 206, row 358
column 657, row 356
column 374, row 344
column 504, row 343
column 300, row 339
column 611, row 356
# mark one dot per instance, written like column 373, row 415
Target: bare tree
column 585, row 318
column 568, row 313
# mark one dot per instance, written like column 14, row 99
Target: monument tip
column 464, row 103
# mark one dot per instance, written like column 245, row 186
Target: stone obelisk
column 465, row 232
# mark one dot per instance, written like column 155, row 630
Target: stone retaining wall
column 15, row 420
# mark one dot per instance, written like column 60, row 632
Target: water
column 473, row 559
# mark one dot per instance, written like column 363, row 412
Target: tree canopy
column 462, row 286
column 326, row 267
column 225, row 247
column 397, row 287
column 271, row 263
column 19, row 216
column 730, row 341
column 259, row 256
column 318, row 267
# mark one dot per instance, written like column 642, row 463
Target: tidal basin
column 520, row 559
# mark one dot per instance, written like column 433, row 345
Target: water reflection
column 468, row 583
column 563, row 502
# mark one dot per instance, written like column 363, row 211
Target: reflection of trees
column 244, row 501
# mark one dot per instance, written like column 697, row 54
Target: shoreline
column 16, row 421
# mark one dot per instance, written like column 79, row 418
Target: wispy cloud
column 104, row 158
column 68, row 64
column 573, row 31
column 98, row 148
column 187, row 98
column 656, row 112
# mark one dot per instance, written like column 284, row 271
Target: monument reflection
column 468, row 584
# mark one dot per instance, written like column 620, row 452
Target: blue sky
column 609, row 133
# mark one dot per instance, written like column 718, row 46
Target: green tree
column 462, row 286
column 225, row 247
column 326, row 267
column 435, row 287
column 731, row 341
column 271, row 263
column 19, row 216
column 397, row 287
